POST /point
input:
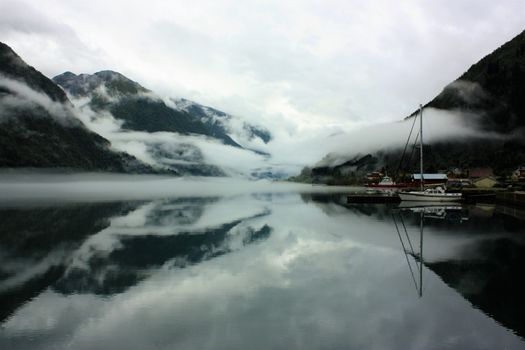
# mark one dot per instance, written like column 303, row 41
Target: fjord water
column 262, row 269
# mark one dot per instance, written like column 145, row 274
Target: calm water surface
column 260, row 271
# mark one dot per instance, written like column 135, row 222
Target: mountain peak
column 33, row 134
column 8, row 54
column 115, row 83
column 14, row 67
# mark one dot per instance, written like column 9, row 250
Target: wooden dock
column 479, row 197
column 515, row 198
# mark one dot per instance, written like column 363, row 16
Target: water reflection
column 37, row 243
column 166, row 234
column 265, row 271
column 484, row 261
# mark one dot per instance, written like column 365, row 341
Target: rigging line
column 413, row 151
column 404, row 251
column 406, row 234
column 405, row 149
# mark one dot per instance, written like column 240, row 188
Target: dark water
column 276, row 271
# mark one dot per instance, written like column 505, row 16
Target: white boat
column 438, row 194
column 430, row 195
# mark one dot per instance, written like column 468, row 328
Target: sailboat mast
column 421, row 226
column 421, row 145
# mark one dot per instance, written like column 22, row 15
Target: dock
column 479, row 197
column 514, row 198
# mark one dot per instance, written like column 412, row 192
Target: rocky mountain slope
column 219, row 123
column 142, row 110
column 174, row 134
column 493, row 89
column 38, row 127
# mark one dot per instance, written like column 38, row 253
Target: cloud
column 288, row 154
column 469, row 92
column 22, row 97
column 169, row 149
column 335, row 63
column 45, row 40
column 311, row 280
column 302, row 69
column 438, row 125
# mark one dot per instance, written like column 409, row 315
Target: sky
column 304, row 69
column 323, row 63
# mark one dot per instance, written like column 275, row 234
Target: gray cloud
column 329, row 61
column 22, row 97
column 304, row 69
column 44, row 39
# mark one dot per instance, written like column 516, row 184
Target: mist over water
column 80, row 187
column 149, row 262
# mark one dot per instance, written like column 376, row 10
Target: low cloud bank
column 289, row 150
column 438, row 125
column 22, row 98
column 32, row 187
column 171, row 150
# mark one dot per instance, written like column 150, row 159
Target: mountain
column 141, row 110
column 38, row 126
column 219, row 122
column 489, row 97
column 493, row 88
column 128, row 101
column 173, row 134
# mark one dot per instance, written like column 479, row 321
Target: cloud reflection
column 326, row 277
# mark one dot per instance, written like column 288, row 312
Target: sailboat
column 437, row 194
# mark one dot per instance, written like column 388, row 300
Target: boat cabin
column 430, row 179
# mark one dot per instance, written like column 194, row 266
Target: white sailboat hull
column 429, row 197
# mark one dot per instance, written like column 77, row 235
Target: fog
column 438, row 125
column 37, row 186
column 286, row 154
column 22, row 97
column 288, row 151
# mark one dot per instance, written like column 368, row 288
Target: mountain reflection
column 286, row 271
column 485, row 269
column 37, row 243
column 107, row 248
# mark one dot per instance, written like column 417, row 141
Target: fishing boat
column 437, row 194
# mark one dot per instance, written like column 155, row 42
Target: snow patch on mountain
column 249, row 136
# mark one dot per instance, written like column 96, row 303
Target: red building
column 475, row 173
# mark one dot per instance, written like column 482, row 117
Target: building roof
column 480, row 172
column 430, row 176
